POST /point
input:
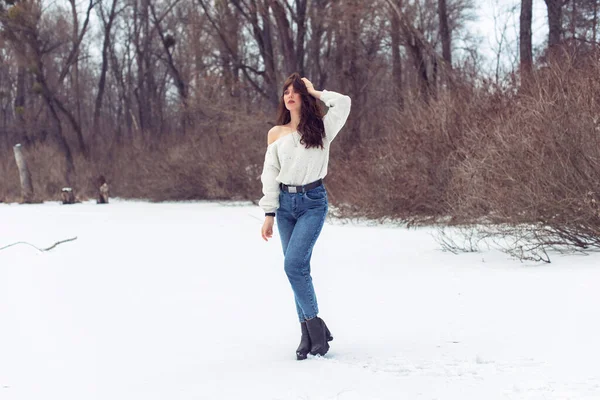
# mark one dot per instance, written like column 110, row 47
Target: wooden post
column 24, row 175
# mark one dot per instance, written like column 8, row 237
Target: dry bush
column 520, row 163
column 219, row 160
column 193, row 169
column 406, row 173
column 222, row 161
column 535, row 174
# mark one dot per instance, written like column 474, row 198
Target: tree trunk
column 143, row 92
column 445, row 33
column 24, row 175
column 73, row 60
column 351, row 70
column 338, row 47
column 257, row 13
column 595, row 22
column 420, row 63
column 420, row 51
column 228, row 52
column 75, row 125
column 301, row 6
column 75, row 76
column 105, row 47
column 62, row 142
column 396, row 58
column 168, row 42
column 554, row 22
column 285, row 38
column 574, row 18
column 268, row 55
column 123, row 74
column 20, row 103
column 315, row 47
column 526, row 52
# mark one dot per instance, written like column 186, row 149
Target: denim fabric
column 300, row 218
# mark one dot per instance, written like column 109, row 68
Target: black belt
column 301, row 189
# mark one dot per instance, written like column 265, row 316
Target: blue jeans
column 300, row 218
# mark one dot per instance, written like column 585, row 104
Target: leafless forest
column 172, row 100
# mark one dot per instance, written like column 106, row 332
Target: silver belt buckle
column 292, row 189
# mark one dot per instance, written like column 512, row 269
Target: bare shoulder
column 274, row 133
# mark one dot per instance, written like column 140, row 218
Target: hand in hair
column 309, row 85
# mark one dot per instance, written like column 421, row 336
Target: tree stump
column 68, row 195
column 102, row 191
column 24, row 175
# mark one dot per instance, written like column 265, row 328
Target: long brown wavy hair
column 311, row 128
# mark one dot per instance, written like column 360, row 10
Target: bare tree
column 502, row 23
column 525, row 47
column 21, row 27
column 351, row 71
column 108, row 22
column 445, row 33
column 581, row 23
column 147, row 91
column 595, row 21
column 396, row 58
column 168, row 42
column 285, row 36
column 72, row 61
column 300, row 18
column 257, row 14
column 320, row 40
column 422, row 54
column 229, row 53
column 555, row 27
column 20, row 103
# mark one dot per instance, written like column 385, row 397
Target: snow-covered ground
column 185, row 301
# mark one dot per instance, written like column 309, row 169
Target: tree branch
column 75, row 50
column 35, row 247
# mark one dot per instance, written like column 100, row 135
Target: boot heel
column 328, row 334
column 319, row 336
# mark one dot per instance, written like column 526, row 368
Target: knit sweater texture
column 289, row 162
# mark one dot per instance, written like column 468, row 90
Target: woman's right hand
column 267, row 228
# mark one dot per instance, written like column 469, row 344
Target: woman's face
column 291, row 99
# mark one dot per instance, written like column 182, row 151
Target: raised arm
column 339, row 109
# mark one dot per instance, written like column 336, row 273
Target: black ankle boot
column 319, row 336
column 304, row 347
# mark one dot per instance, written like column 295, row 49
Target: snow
column 186, row 301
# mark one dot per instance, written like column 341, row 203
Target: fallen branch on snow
column 46, row 249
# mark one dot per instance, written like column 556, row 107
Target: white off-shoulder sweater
column 290, row 162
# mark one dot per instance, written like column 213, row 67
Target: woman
column 295, row 165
